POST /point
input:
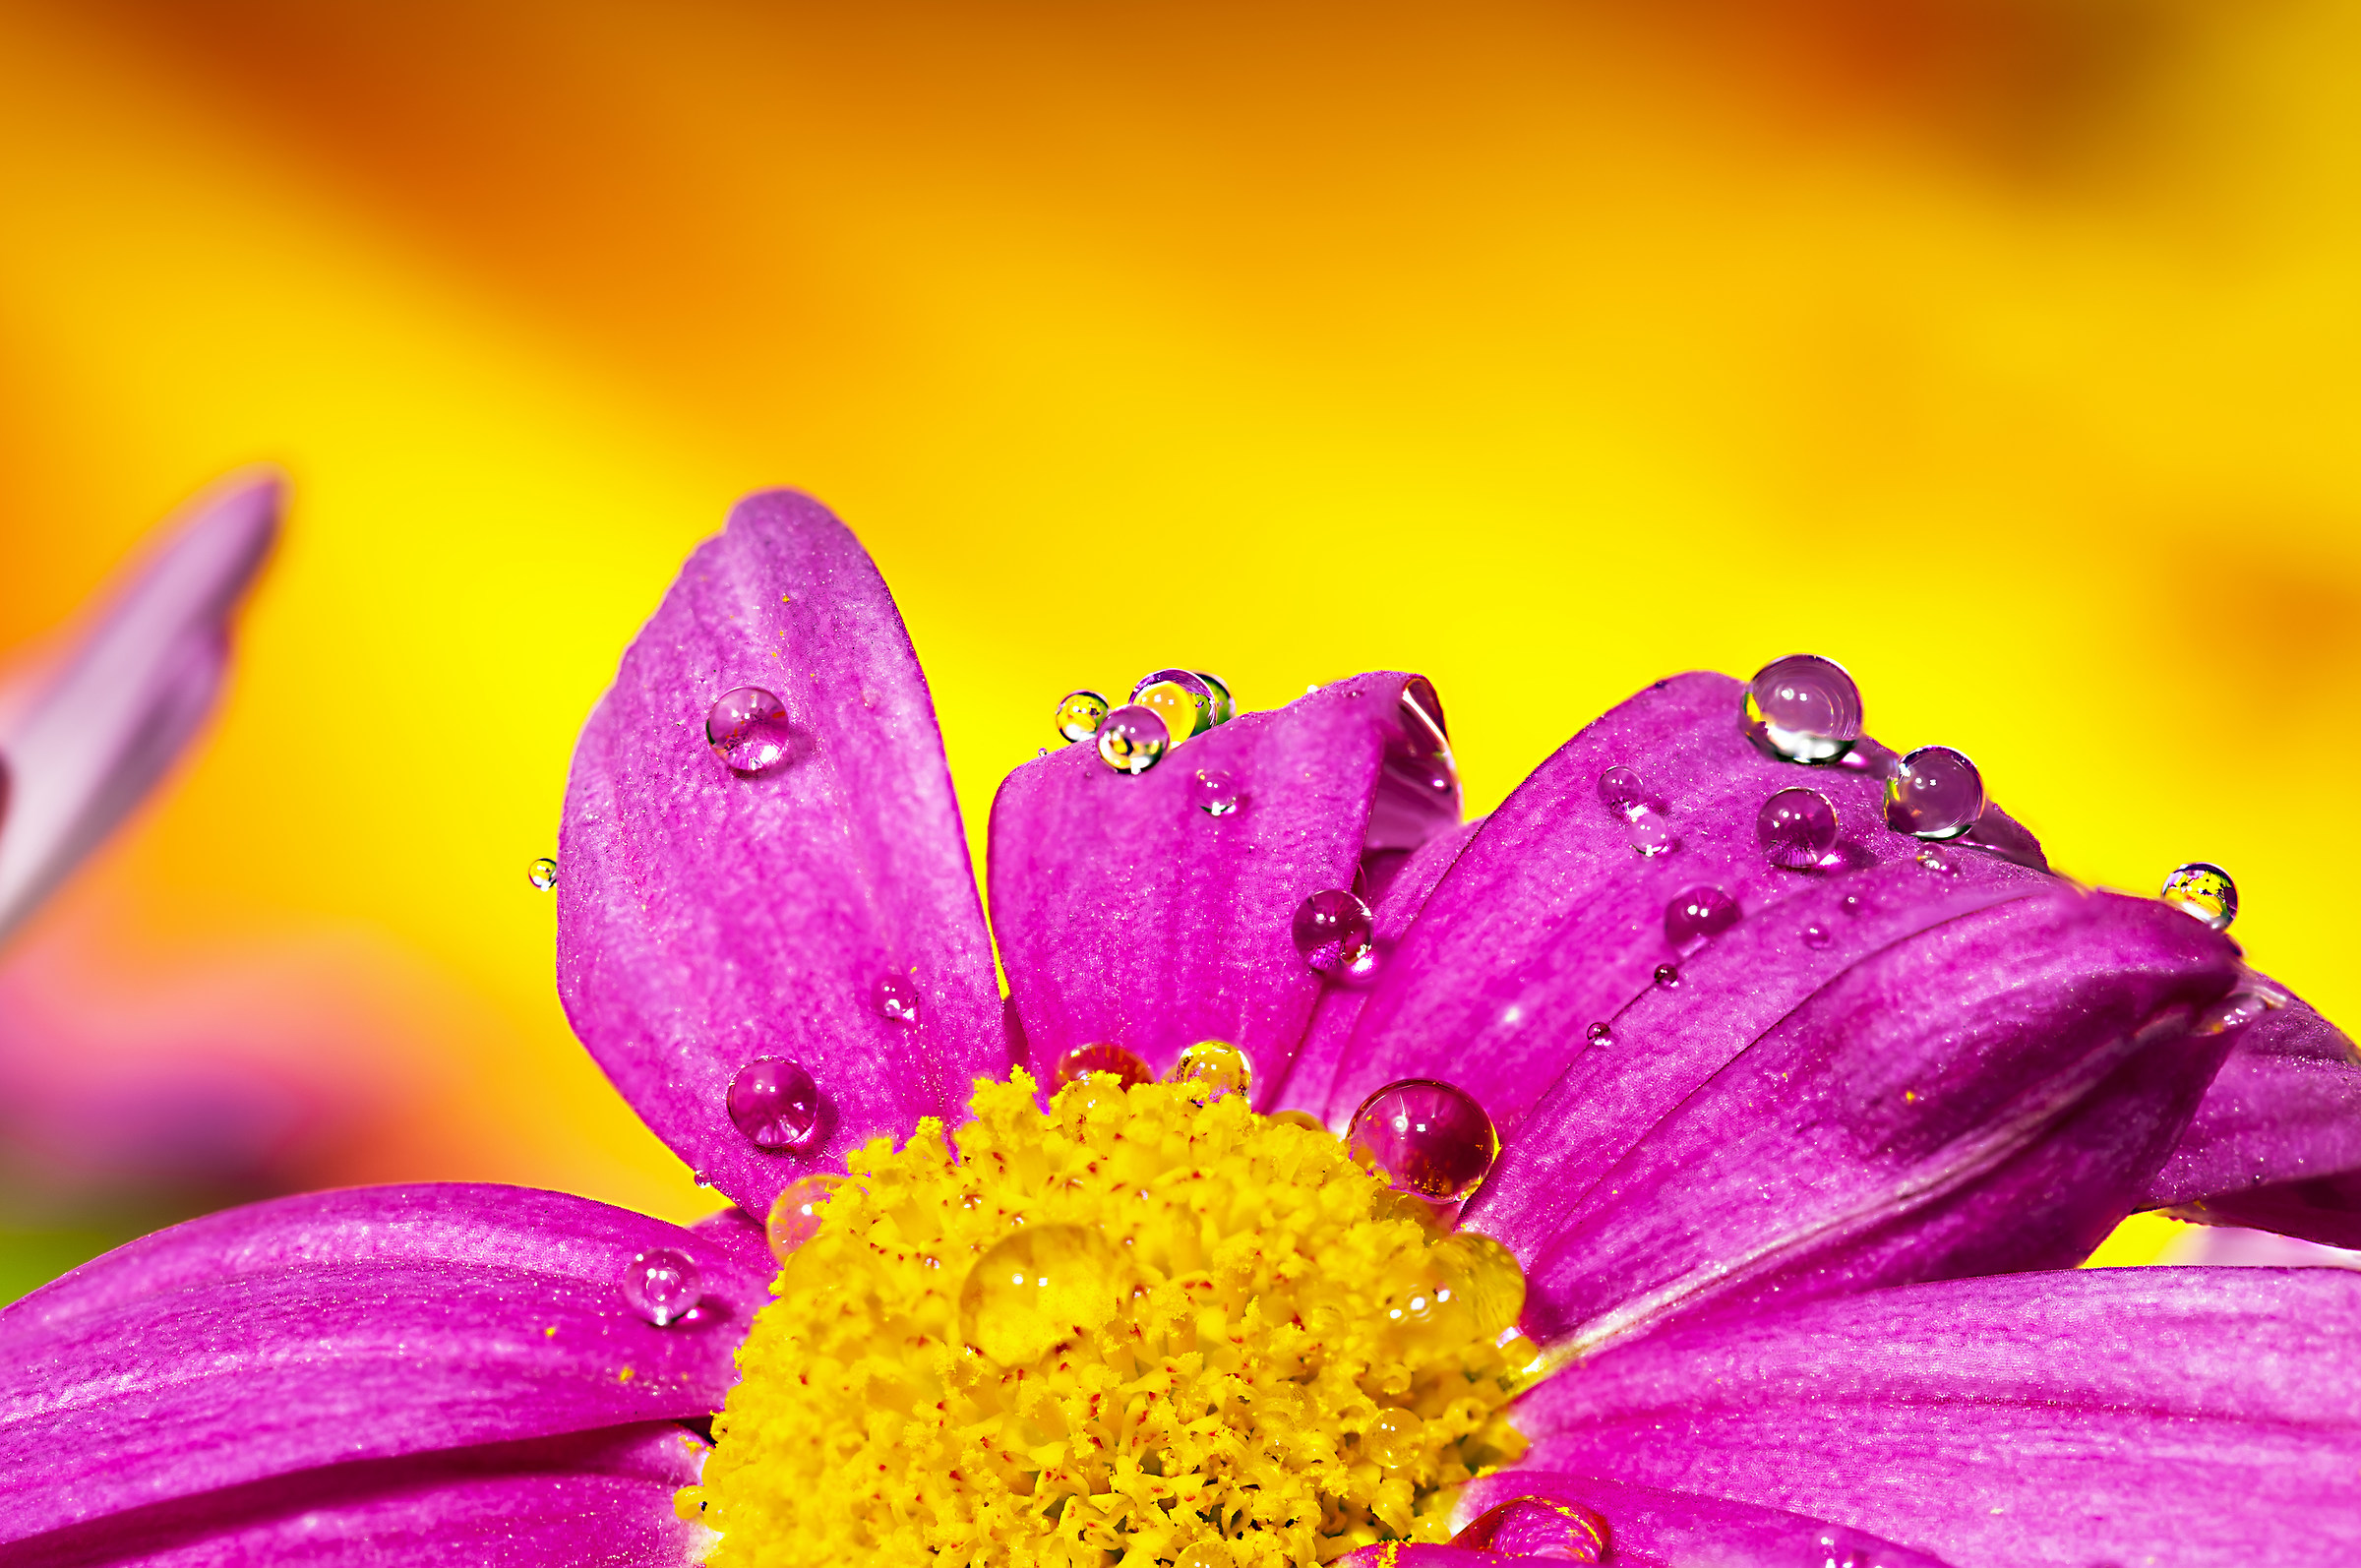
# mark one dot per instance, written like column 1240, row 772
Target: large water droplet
column 542, row 874
column 895, row 996
column 1215, row 1067
column 1133, row 738
column 1215, row 792
column 662, row 1285
column 1043, row 1284
column 1934, row 792
column 1429, row 1137
column 774, row 1103
column 1080, row 714
column 1697, row 915
column 747, row 730
column 1796, row 828
column 1623, row 792
column 1650, row 835
column 1393, row 1439
column 1181, row 697
column 796, row 1214
column 1542, row 1527
column 1332, row 931
column 2205, row 890
column 1111, row 1061
column 1803, row 708
column 1225, row 706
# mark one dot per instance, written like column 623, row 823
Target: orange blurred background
column 2009, row 352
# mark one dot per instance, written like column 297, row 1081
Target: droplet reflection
column 1803, row 708
column 1430, row 1138
column 662, row 1285
column 2205, row 890
column 747, row 730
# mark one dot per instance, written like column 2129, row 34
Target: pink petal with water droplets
column 1649, row 1527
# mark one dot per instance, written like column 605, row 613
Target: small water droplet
column 662, row 1285
column 2205, row 890
column 1650, row 835
column 1803, row 708
column 1796, row 828
column 796, row 1214
column 1215, row 792
column 1038, row 1287
column 747, row 730
column 1393, row 1438
column 1333, row 931
column 2234, row 1011
column 1667, row 976
column 1851, row 906
column 1815, row 935
column 1430, row 1138
column 1132, row 739
column 1934, row 792
column 1622, row 792
column 1111, row 1061
column 1599, row 1034
column 1203, row 1555
column 1938, row 861
column 895, row 996
column 1079, row 714
column 774, row 1103
column 1697, row 915
column 1181, row 697
column 1542, row 1527
column 1225, row 706
column 1215, row 1066
column 542, row 874
column 1300, row 1119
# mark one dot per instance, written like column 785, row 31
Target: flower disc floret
column 1142, row 1328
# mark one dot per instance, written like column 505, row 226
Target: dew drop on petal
column 1546, row 1528
column 1622, row 792
column 1225, row 706
column 2205, row 890
column 1392, row 1439
column 1430, row 1138
column 1215, row 792
column 1796, row 828
column 1803, row 708
column 747, row 730
column 1079, row 714
column 1035, row 1288
column 2234, row 1011
column 1181, row 697
column 1667, row 976
column 1650, row 835
column 542, row 874
column 1815, row 935
column 661, row 1285
column 774, row 1103
column 1940, row 862
column 796, row 1214
column 1599, row 1034
column 1215, row 1067
column 1132, row 739
column 1110, row 1061
column 895, row 997
column 1934, row 792
column 1332, row 931
column 1697, row 915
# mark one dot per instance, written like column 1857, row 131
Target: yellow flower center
column 1149, row 1327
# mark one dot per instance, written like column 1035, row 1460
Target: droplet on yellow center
column 1487, row 1276
column 1213, row 1068
column 1184, row 713
column 1038, row 1288
column 1392, row 1439
column 1204, row 1554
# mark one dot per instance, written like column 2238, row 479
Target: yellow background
column 2007, row 352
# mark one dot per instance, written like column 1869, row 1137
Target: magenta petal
column 601, row 1497
column 1549, row 921
column 1127, row 916
column 1961, row 1080
column 2191, row 1416
column 707, row 919
column 1649, row 1528
column 97, row 729
column 2275, row 1144
column 364, row 1324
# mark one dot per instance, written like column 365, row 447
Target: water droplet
column 1132, row 739
column 1215, row 1066
column 1815, row 935
column 1934, row 792
column 895, row 996
column 1803, row 708
column 1540, row 1527
column 747, row 730
column 1392, row 1439
column 1215, row 792
column 2205, row 890
column 1667, row 976
column 1225, row 706
column 1796, row 828
column 1429, row 1137
column 1938, row 861
column 1181, row 697
column 796, row 1214
column 1650, row 835
column 542, row 874
column 662, row 1285
column 1599, row 1034
column 1623, row 793
column 1300, row 1119
column 1484, row 1275
column 2234, row 1011
column 1697, row 915
column 1111, row 1061
column 1079, row 714
column 1852, row 906
column 774, row 1103
column 1045, row 1284
column 1203, row 1555
column 1332, row 931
